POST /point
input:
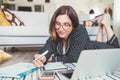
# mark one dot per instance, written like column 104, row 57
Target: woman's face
column 63, row 26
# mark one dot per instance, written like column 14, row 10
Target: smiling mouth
column 60, row 33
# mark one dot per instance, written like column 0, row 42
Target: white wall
column 76, row 4
column 79, row 5
column 49, row 8
column 116, row 17
column 84, row 5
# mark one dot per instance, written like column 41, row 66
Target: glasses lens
column 65, row 26
column 57, row 25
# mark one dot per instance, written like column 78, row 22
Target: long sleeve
column 112, row 43
column 50, row 46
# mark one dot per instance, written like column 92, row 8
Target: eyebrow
column 63, row 23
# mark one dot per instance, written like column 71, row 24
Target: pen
column 58, row 76
column 43, row 54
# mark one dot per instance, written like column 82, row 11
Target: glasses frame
column 58, row 25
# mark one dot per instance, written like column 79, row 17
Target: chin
column 61, row 36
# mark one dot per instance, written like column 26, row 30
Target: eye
column 57, row 23
column 67, row 24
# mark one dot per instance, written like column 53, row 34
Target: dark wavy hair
column 61, row 11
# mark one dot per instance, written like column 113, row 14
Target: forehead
column 63, row 18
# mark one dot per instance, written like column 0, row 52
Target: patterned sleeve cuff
column 111, row 41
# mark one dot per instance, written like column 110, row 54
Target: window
column 30, row 0
column 39, row 8
column 11, row 0
column 12, row 7
column 47, row 1
column 24, row 8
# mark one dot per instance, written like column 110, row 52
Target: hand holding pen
column 40, row 59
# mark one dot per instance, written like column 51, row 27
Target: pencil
column 43, row 54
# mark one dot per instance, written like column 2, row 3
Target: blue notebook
column 18, row 70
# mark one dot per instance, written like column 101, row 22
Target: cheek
column 67, row 33
column 63, row 33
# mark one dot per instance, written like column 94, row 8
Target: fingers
column 39, row 61
column 36, row 56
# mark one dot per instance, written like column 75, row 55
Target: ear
column 4, row 56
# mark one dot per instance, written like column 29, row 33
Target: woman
column 68, row 38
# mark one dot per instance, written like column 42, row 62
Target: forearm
column 109, row 31
column 99, row 36
column 107, row 27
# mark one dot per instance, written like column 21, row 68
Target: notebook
column 17, row 70
column 51, row 66
column 94, row 63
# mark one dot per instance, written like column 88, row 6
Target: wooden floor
column 20, row 55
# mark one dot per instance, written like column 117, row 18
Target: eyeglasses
column 65, row 26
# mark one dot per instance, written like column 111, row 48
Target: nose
column 61, row 28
